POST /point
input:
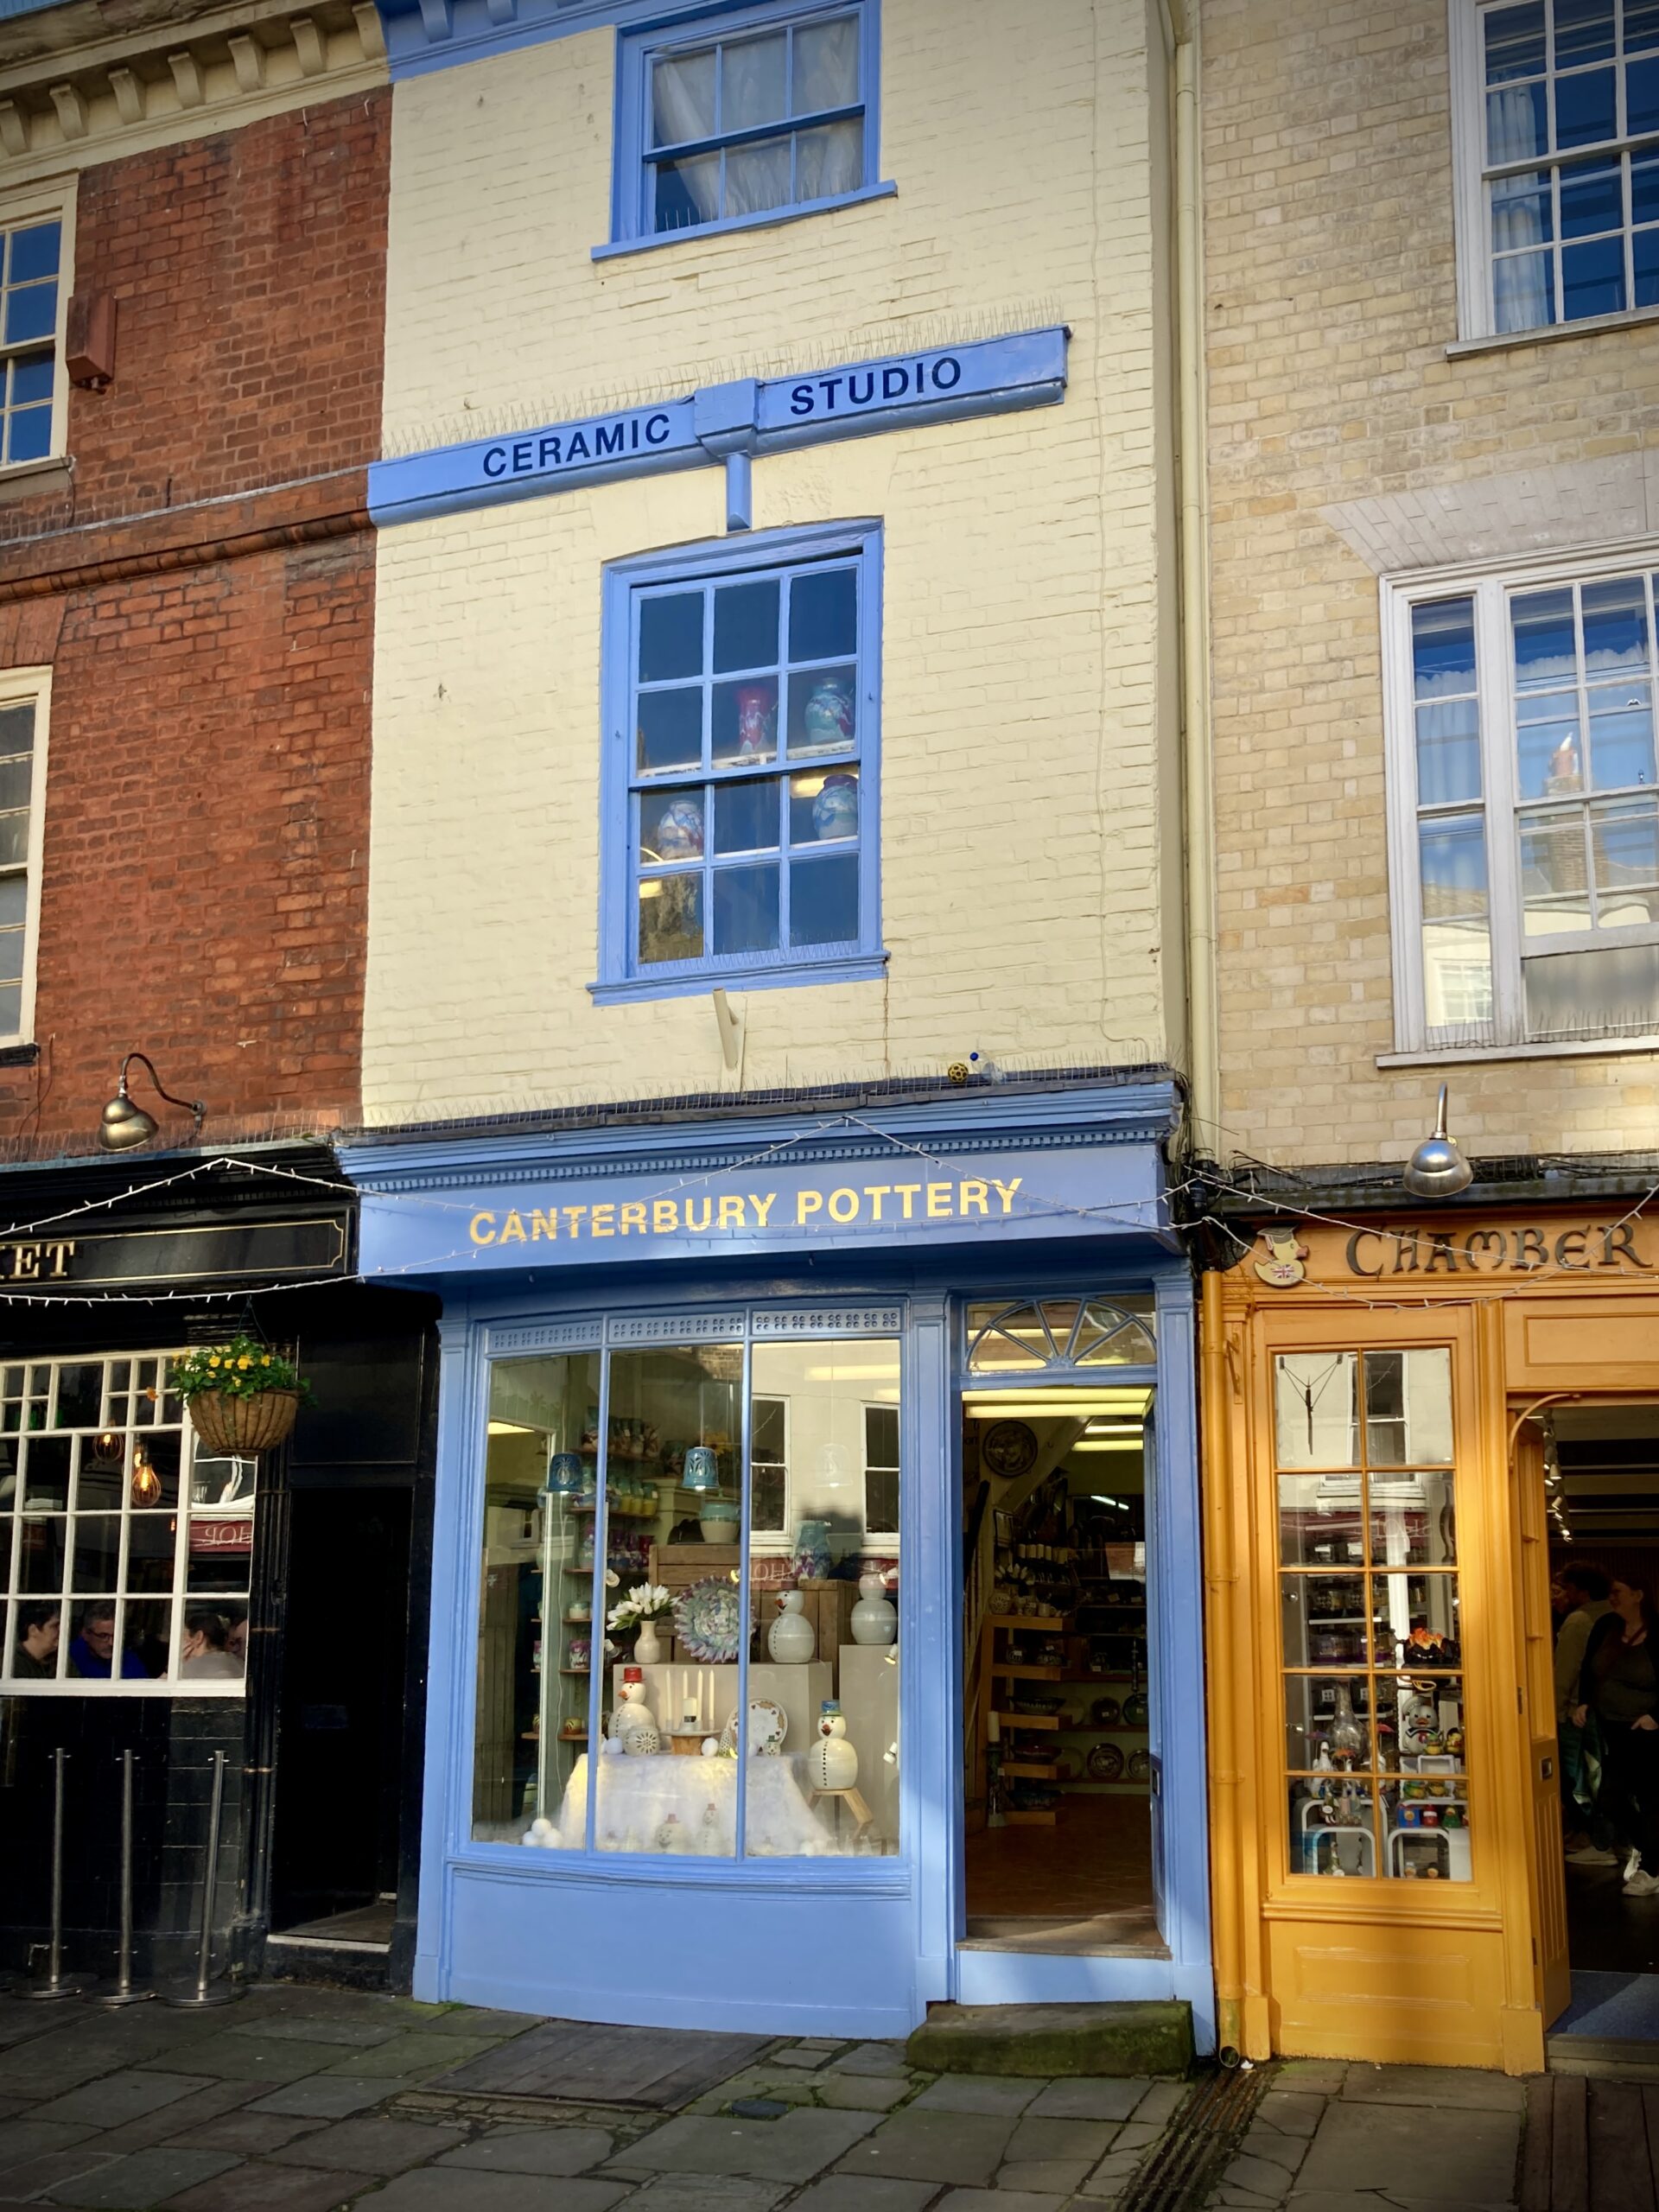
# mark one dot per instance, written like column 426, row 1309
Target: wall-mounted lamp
column 1438, row 1169
column 122, row 1126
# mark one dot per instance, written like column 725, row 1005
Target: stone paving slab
column 998, row 2093
column 312, row 2027
column 433, row 2191
column 1110, row 2099
column 859, row 2092
column 1457, row 2089
column 251, row 2132
column 260, row 2188
column 1042, row 2177
column 533, row 2151
column 253, row 2058
column 1461, row 2157
column 144, row 2178
column 22, row 2139
column 794, row 2148
column 963, row 2147
column 865, row 2193
column 129, row 2094
column 704, row 2193
column 326, row 2096
column 415, row 2053
column 998, row 2200
column 373, row 2144
column 871, row 2058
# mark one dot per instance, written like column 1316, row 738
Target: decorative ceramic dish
column 706, row 1621
column 1105, row 1762
column 768, row 1726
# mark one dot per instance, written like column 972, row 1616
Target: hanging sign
column 989, row 376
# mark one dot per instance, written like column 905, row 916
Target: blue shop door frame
column 1175, row 1689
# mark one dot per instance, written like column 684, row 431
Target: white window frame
column 1491, row 585
column 23, row 687
column 776, row 1540
column 52, row 200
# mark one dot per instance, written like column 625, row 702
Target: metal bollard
column 54, row 1986
column 123, row 1993
column 205, row 1992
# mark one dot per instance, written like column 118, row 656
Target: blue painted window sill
column 768, row 219
column 865, row 968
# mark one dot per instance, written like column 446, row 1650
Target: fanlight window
column 1035, row 1333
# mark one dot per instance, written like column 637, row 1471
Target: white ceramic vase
column 647, row 1646
column 875, row 1619
column 833, row 1761
column 791, row 1640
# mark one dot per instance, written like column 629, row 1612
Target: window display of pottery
column 793, row 1640
column 718, row 1519
column 812, row 1561
column 875, row 1618
column 835, row 811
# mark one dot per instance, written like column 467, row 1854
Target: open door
column 1549, row 1880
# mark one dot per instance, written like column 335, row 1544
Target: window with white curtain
column 756, row 114
column 1525, row 806
column 1558, row 130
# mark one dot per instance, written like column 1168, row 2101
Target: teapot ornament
column 832, row 1763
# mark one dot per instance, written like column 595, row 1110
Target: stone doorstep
column 1054, row 2041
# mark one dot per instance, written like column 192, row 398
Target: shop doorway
column 334, row 1844
column 1060, row 1769
column 1600, row 1473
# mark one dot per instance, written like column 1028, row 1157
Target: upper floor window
column 23, row 762
column 740, row 765
column 1526, row 822
column 32, row 297
column 761, row 113
column 1561, row 168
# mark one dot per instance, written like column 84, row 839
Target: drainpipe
column 1198, row 776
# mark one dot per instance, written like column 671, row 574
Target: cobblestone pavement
column 305, row 2100
column 1333, row 2138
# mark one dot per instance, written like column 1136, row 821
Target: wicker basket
column 227, row 1427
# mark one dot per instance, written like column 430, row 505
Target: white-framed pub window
column 25, row 701
column 1555, row 127
column 125, row 1555
column 1525, row 805
column 36, row 266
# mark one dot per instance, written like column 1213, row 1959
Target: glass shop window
column 687, row 1632
column 1375, row 1742
column 124, row 1557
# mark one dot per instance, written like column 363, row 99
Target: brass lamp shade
column 123, row 1125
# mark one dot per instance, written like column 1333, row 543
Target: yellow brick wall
column 1330, row 301
column 1029, row 715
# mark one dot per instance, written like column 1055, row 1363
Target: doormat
column 567, row 2062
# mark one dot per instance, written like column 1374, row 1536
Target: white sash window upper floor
column 1556, row 129
column 35, row 282
column 1524, row 806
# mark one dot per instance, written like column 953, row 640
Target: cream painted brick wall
column 1027, row 568
column 1330, row 300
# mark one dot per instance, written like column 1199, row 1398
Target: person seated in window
column 204, row 1654
column 236, row 1642
column 91, row 1649
column 39, row 1627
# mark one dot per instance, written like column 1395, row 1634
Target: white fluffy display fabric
column 690, row 1806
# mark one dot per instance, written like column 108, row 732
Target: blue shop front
column 817, row 1600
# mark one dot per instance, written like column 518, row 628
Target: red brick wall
column 204, row 893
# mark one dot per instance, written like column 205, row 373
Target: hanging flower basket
column 243, row 1397
column 237, row 1428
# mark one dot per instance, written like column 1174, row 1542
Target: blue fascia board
column 1132, row 1114
column 938, row 384
column 423, row 35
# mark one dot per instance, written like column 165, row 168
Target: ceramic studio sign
column 750, row 415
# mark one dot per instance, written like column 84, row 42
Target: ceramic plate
column 706, row 1621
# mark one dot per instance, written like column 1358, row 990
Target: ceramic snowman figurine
column 875, row 1620
column 633, row 1723
column 832, row 1762
column 791, row 1640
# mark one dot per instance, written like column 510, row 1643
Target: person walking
column 1619, row 1683
column 1582, row 1591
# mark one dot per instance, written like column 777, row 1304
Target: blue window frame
column 751, row 114
column 739, row 787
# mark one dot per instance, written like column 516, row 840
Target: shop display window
column 1375, row 1742
column 687, row 1628
column 125, row 1558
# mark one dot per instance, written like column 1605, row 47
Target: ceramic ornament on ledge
column 635, row 1724
column 832, row 1763
column 791, row 1640
column 875, row 1619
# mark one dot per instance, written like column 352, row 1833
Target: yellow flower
column 212, row 1360
column 244, row 1361
column 265, row 1362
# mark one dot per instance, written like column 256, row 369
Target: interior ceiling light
column 1082, row 1404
